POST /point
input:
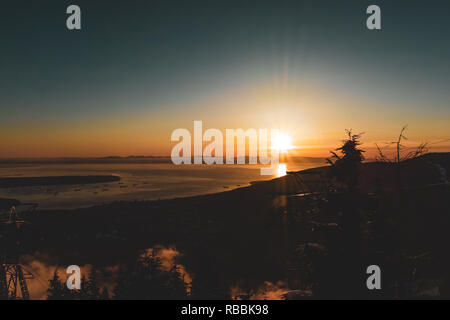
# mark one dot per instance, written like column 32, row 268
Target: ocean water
column 138, row 181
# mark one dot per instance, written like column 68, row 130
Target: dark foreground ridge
column 285, row 238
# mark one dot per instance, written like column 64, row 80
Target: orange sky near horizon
column 316, row 120
column 93, row 93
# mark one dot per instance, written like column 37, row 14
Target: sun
column 282, row 142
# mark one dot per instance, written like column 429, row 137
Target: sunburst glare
column 282, row 142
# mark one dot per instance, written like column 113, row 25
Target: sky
column 137, row 70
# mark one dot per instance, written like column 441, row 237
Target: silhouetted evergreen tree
column 89, row 289
column 57, row 290
column 345, row 168
column 145, row 279
column 338, row 272
column 175, row 285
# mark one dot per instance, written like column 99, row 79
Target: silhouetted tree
column 176, row 285
column 57, row 289
column 345, row 167
column 401, row 156
column 89, row 289
column 337, row 273
column 146, row 279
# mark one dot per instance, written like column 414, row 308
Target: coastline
column 235, row 239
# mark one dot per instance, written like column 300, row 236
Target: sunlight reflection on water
column 137, row 181
column 281, row 170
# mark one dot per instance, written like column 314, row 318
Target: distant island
column 55, row 180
